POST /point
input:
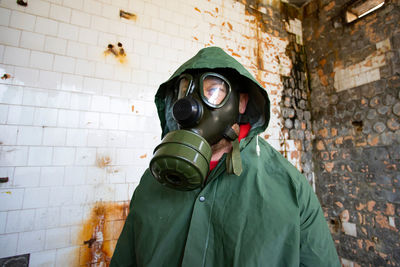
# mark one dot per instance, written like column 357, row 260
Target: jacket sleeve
column 124, row 253
column 316, row 244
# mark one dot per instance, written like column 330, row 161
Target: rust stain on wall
column 117, row 51
column 103, row 161
column 100, row 233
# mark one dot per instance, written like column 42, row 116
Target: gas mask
column 206, row 108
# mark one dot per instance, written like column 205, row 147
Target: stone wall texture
column 354, row 72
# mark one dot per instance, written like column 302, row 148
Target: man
column 251, row 208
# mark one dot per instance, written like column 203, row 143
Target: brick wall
column 355, row 99
column 77, row 119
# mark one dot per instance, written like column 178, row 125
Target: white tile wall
column 49, row 80
column 54, row 136
column 43, row 259
column 22, row 21
column 68, row 104
column 40, row 156
column 67, row 257
column 75, row 175
column 39, row 7
column 45, row 117
column 8, row 245
column 26, row 76
column 9, row 36
column 36, row 197
column 64, row 156
column 11, row 199
column 21, row 115
column 3, row 220
column 46, row 26
column 28, row 135
column 35, row 97
column 64, row 64
column 5, row 16
column 51, row 176
column 47, row 218
column 60, row 13
column 13, row 156
column 55, row 45
column 80, row 18
column 57, row 238
column 61, row 196
column 26, row 176
column 16, row 56
column 68, row 118
column 8, row 134
column 31, row 241
column 68, row 31
column 20, row 221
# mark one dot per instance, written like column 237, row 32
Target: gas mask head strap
column 233, row 160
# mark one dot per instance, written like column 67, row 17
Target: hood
column 214, row 58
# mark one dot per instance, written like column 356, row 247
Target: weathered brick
column 389, row 100
column 364, row 108
column 375, row 101
column 393, row 124
column 394, row 152
column 371, row 114
column 396, row 108
column 382, row 110
column 379, row 127
column 288, row 124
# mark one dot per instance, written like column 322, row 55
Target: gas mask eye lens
column 215, row 89
column 185, row 82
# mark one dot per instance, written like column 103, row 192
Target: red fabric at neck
column 244, row 131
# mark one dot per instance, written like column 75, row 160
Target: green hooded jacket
column 267, row 216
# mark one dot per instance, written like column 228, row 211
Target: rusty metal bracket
column 89, row 242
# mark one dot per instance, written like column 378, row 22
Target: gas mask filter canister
column 205, row 111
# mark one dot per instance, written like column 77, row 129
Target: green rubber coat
column 267, row 216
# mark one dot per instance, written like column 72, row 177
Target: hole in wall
column 127, row 15
column 358, row 125
column 335, row 225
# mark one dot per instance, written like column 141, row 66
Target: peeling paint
column 100, row 232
